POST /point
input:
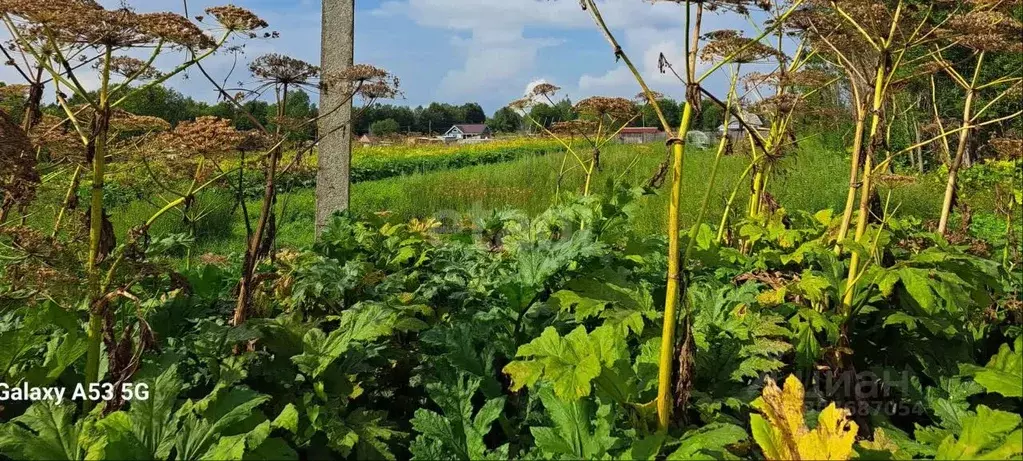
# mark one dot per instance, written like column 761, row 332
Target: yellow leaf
column 882, row 445
column 772, row 298
column 781, row 431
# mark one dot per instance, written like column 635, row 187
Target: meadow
column 813, row 181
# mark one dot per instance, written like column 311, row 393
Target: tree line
column 380, row 119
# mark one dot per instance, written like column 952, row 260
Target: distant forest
column 377, row 119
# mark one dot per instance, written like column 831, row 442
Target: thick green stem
column 866, row 188
column 99, row 134
column 854, row 168
column 1008, row 237
column 671, row 296
column 957, row 161
column 754, row 198
column 706, row 197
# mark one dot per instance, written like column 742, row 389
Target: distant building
column 367, row 140
column 640, row 134
column 467, row 131
column 736, row 132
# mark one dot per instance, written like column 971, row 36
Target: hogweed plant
column 600, row 121
column 55, row 35
column 676, row 143
column 281, row 74
column 902, row 40
column 988, row 28
column 888, row 34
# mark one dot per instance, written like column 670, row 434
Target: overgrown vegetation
column 175, row 266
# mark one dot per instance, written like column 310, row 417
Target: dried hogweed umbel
column 206, row 136
column 18, row 176
column 986, row 30
column 280, row 69
column 236, row 19
column 175, row 29
column 730, row 43
column 602, row 106
column 127, row 66
column 368, row 81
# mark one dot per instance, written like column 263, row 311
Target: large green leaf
column 206, row 422
column 1004, row 372
column 272, row 449
column 919, row 285
column 148, row 428
column 708, row 442
column 456, row 433
column 363, row 433
column 569, row 363
column 989, row 434
column 46, row 431
column 578, row 431
column 364, row 322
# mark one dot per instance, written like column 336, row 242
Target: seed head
column 56, row 137
column 362, row 73
column 777, row 104
column 731, row 43
column 17, row 161
column 175, row 29
column 370, row 82
column 127, row 122
column 575, row 127
column 600, row 106
column 14, row 92
column 115, row 28
column 642, row 99
column 737, row 6
column 206, row 136
column 521, row 104
column 130, row 67
column 544, row 89
column 47, row 12
column 280, row 69
column 988, row 30
column 253, row 140
column 87, row 23
column 1009, row 148
column 236, row 19
column 379, row 89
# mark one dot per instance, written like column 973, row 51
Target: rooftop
column 474, row 128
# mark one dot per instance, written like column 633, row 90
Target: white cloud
column 498, row 55
column 492, row 61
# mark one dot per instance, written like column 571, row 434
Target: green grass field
column 814, row 179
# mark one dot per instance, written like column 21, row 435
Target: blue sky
column 458, row 51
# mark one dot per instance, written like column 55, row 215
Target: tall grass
column 816, row 181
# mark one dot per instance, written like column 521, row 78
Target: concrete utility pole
column 335, row 150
